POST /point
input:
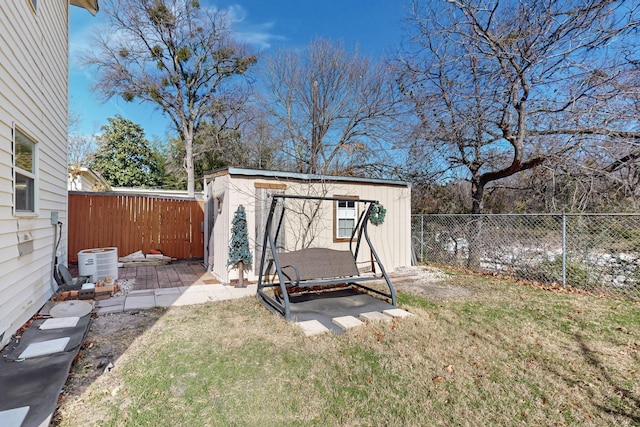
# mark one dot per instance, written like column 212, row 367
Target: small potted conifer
column 239, row 253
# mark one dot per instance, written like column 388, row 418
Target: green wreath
column 376, row 216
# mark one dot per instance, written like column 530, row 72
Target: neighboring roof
column 91, row 175
column 90, row 5
column 156, row 192
column 301, row 176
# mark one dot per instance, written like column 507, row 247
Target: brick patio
column 174, row 275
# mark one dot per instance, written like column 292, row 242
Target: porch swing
column 283, row 274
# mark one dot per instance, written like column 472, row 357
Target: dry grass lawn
column 501, row 354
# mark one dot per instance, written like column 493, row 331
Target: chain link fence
column 598, row 253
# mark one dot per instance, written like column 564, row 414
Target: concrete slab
column 196, row 297
column 109, row 310
column 140, row 293
column 324, row 306
column 313, row 327
column 166, row 297
column 375, row 316
column 397, row 312
column 111, row 302
column 60, row 322
column 140, row 302
column 71, row 308
column 13, row 417
column 247, row 291
column 166, row 291
column 167, row 300
column 44, row 347
column 196, row 288
column 347, row 322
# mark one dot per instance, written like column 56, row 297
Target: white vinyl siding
column 34, row 99
column 391, row 240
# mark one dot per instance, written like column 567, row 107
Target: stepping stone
column 13, row 417
column 71, row 309
column 141, row 292
column 166, row 291
column 111, row 302
column 313, row 327
column 375, row 316
column 397, row 312
column 44, row 347
column 60, row 322
column 347, row 322
column 111, row 305
column 165, row 297
column 140, row 302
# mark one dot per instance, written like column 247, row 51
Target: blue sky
column 375, row 26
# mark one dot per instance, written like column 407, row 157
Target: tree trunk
column 475, row 226
column 240, row 274
column 187, row 137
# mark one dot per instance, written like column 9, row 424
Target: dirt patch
column 428, row 282
column 109, row 337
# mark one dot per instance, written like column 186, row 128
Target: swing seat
column 320, row 267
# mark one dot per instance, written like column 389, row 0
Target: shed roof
column 294, row 176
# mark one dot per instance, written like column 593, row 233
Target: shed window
column 24, row 167
column 345, row 219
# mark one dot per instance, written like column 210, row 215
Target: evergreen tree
column 239, row 253
column 125, row 158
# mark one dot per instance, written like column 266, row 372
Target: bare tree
column 80, row 147
column 337, row 109
column 500, row 86
column 173, row 53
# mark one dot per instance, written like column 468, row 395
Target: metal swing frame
column 295, row 277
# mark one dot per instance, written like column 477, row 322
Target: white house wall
column 33, row 97
column 391, row 240
column 221, row 230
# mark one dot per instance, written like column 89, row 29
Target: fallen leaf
column 449, row 368
column 438, row 379
column 368, row 379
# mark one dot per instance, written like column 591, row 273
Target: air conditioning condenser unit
column 98, row 263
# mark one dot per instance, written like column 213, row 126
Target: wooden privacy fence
column 135, row 222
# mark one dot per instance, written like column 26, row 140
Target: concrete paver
column 111, row 305
column 397, row 312
column 375, row 316
column 140, row 302
column 347, row 322
column 191, row 298
column 313, row 327
column 166, row 297
column 13, row 417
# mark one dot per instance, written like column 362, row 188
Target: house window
column 345, row 219
column 24, row 167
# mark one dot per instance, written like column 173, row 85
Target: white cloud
column 259, row 35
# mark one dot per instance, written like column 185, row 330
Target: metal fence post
column 421, row 238
column 564, row 250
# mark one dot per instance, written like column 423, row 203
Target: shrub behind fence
column 599, row 253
